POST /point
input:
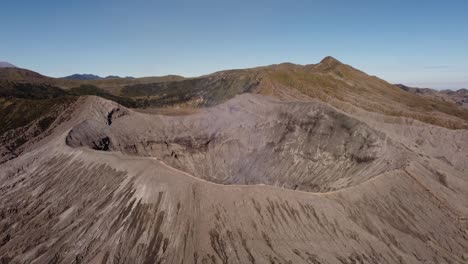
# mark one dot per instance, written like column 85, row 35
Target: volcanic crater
column 251, row 140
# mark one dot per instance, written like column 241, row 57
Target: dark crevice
column 111, row 113
column 103, row 144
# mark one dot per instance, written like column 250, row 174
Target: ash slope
column 62, row 203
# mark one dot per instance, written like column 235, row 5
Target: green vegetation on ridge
column 329, row 81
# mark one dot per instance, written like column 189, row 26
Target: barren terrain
column 294, row 168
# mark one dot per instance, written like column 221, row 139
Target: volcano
column 285, row 163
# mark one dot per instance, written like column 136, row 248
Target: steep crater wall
column 252, row 140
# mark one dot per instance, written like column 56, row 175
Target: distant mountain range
column 76, row 77
column 85, row 77
column 329, row 81
column 4, row 64
column 459, row 97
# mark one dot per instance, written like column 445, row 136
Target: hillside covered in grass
column 329, row 81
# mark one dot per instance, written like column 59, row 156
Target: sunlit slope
column 337, row 83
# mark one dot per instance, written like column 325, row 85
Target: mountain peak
column 4, row 64
column 83, row 77
column 329, row 61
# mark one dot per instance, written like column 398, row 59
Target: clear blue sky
column 413, row 42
